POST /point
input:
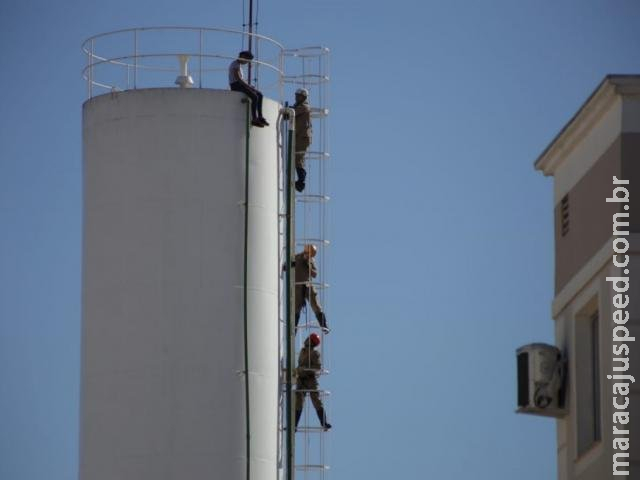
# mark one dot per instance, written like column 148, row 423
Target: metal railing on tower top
column 150, row 58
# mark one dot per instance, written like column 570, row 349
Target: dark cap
column 246, row 54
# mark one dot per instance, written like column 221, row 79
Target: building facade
column 596, row 306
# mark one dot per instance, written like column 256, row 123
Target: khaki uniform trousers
column 302, row 143
column 308, row 382
column 304, row 293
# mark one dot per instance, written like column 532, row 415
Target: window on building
column 587, row 374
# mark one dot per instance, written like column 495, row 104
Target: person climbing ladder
column 305, row 290
column 304, row 133
column 309, row 367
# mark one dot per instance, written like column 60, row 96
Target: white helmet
column 303, row 91
column 310, row 249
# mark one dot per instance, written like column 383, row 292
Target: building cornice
column 585, row 118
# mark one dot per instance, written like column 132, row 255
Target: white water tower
column 180, row 357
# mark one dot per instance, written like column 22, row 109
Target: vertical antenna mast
column 250, row 37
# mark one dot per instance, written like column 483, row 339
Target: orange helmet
column 314, row 339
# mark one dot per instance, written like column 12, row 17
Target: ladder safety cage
column 308, row 68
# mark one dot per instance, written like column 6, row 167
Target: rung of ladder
column 312, row 198
column 312, row 429
column 311, row 466
column 305, row 240
column 323, row 393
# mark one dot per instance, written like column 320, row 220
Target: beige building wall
column 601, row 141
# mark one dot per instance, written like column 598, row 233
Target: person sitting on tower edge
column 305, row 271
column 303, row 134
column 238, row 84
column 309, row 367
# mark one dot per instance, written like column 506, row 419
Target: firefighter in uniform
column 309, row 366
column 305, row 271
column 303, row 134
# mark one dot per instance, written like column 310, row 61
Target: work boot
column 257, row 123
column 322, row 320
column 302, row 174
column 322, row 416
column 298, row 415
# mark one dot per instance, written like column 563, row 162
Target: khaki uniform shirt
column 303, row 120
column 308, row 362
column 305, row 268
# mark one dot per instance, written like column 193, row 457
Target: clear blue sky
column 442, row 231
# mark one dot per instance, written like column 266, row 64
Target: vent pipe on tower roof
column 184, row 80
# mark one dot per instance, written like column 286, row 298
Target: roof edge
column 599, row 100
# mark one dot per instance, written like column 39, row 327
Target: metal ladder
column 309, row 68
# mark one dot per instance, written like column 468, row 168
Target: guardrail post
column 91, row 71
column 200, row 59
column 135, row 59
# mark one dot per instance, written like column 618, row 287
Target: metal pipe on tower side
column 290, row 115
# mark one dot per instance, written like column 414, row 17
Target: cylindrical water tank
column 163, row 391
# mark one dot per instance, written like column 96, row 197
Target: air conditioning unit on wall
column 541, row 375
